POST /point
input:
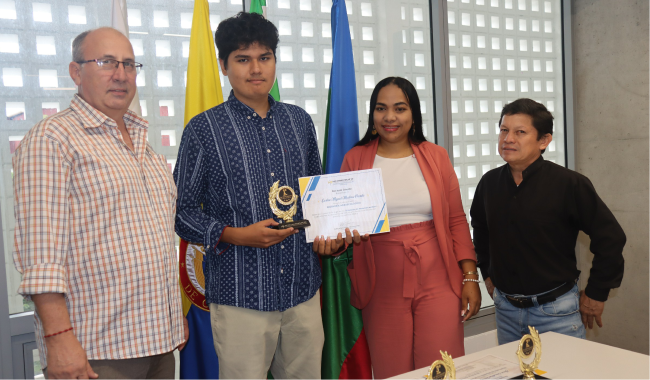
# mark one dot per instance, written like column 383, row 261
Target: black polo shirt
column 525, row 236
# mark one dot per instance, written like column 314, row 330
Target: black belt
column 527, row 301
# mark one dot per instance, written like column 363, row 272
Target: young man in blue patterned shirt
column 261, row 283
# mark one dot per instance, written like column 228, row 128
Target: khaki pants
column 149, row 367
column 250, row 342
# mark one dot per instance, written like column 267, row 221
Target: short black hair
column 542, row 118
column 243, row 30
column 412, row 97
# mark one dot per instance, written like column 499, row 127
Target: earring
column 374, row 131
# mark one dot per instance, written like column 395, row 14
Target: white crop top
column 407, row 195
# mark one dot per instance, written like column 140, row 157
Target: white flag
column 119, row 22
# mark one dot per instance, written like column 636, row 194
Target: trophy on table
column 442, row 369
column 286, row 197
column 528, row 344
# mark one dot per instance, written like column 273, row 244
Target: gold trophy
column 286, row 197
column 528, row 344
column 442, row 369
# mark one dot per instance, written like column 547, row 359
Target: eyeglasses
column 113, row 64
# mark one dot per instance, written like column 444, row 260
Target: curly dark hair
column 417, row 136
column 243, row 30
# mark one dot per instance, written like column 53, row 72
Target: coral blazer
column 448, row 217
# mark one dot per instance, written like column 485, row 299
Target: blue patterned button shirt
column 227, row 161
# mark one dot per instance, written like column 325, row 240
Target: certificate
column 334, row 202
column 488, row 367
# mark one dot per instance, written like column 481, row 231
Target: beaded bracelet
column 470, row 280
column 60, row 332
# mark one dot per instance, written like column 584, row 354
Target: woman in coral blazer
column 416, row 284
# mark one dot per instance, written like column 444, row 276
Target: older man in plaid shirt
column 94, row 240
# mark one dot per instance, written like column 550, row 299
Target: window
column 286, row 80
column 214, row 21
column 309, row 80
column 186, row 20
column 366, row 9
column 42, row 12
column 134, row 17
column 284, row 28
column 48, row 78
column 138, row 48
column 326, row 30
column 368, row 57
column 286, row 53
column 307, row 29
column 327, row 56
column 140, row 80
column 8, row 9
column 168, row 137
column 307, row 54
column 165, row 78
column 160, row 19
column 163, row 48
column 15, row 111
column 76, row 14
column 45, row 45
column 50, row 108
column 166, row 108
column 9, row 43
column 516, row 49
column 14, row 141
column 366, row 32
column 12, row 77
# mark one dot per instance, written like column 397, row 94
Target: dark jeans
column 150, row 367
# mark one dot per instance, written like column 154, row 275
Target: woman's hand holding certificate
column 326, row 246
column 335, row 202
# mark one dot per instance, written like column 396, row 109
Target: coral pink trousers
column 413, row 312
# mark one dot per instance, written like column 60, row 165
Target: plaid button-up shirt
column 95, row 221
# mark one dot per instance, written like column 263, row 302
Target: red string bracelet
column 60, row 332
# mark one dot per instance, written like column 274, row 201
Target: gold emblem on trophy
column 528, row 344
column 442, row 369
column 286, row 197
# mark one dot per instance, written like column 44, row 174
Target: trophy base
column 297, row 224
column 536, row 376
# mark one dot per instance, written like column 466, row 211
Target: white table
column 565, row 357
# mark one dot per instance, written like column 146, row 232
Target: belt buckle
column 519, row 300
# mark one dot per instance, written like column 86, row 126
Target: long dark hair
column 414, row 102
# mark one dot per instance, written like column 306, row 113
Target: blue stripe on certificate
column 311, row 186
column 380, row 220
column 314, row 183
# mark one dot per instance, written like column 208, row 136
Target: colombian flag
column 203, row 91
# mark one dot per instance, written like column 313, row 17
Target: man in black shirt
column 526, row 217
